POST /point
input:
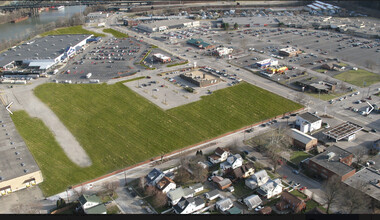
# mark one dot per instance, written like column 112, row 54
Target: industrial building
column 334, row 161
column 18, row 169
column 201, row 78
column 41, row 54
column 251, row 21
column 303, row 141
column 161, row 58
column 289, row 52
column 164, row 25
column 368, row 177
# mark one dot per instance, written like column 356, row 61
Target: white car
column 258, row 208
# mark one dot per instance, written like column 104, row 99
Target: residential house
column 166, row 184
column 154, row 176
column 303, row 141
column 233, row 162
column 197, row 187
column 175, row 195
column 333, row 161
column 308, row 122
column 245, row 171
column 224, row 184
column 189, row 205
column 92, row 204
column 224, row 204
column 213, row 194
column 270, row 188
column 220, row 155
column 257, row 179
column 252, row 201
column 290, row 201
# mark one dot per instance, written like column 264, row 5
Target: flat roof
column 369, row 178
column 15, row 156
column 200, row 75
column 48, row 47
column 310, row 117
column 167, row 23
column 333, row 163
column 343, row 130
column 250, row 20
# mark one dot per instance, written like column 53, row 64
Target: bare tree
column 199, row 173
column 160, row 199
column 331, row 191
column 142, row 182
column 182, row 176
column 110, row 187
column 359, row 155
column 354, row 200
column 150, row 190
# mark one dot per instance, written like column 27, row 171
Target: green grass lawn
column 71, row 30
column 326, row 97
column 358, row 77
column 299, row 194
column 320, row 70
column 118, row 128
column 298, row 156
column 241, row 190
column 115, row 33
column 311, row 204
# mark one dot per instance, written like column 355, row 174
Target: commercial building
column 18, row 169
column 303, row 141
column 316, row 86
column 199, row 43
column 97, row 18
column 158, row 26
column 289, row 52
column 201, row 78
column 346, row 130
column 266, row 63
column 251, row 21
column 334, row 161
column 41, row 54
column 308, row 122
column 368, row 181
column 222, row 51
column 161, row 58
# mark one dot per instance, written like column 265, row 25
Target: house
column 189, row 205
column 270, row 188
column 220, row 155
column 175, row 195
column 166, row 184
column 252, row 201
column 154, row 176
column 266, row 210
column 197, row 187
column 233, row 162
column 333, row 161
column 303, row 141
column 92, row 204
column 290, row 201
column 224, row 204
column 245, row 171
column 213, row 194
column 257, row 179
column 308, row 122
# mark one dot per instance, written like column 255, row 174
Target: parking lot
column 105, row 60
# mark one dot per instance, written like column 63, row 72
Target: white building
column 233, row 162
column 175, row 195
column 267, row 62
column 271, row 188
column 189, row 205
column 224, row 204
column 222, row 51
column 252, row 201
column 158, row 26
column 166, row 184
column 220, row 155
column 257, row 179
column 308, row 122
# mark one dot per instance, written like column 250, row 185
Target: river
column 22, row 28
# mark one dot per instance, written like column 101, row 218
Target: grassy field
column 358, row 77
column 71, row 30
column 118, row 128
column 115, row 33
column 326, row 97
column 299, row 194
column 298, row 156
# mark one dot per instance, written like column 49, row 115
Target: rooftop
column 300, row 136
column 310, row 117
column 48, row 47
column 343, row 130
column 258, row 20
column 15, row 157
column 369, row 178
column 330, row 159
column 167, row 23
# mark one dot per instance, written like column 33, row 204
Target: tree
column 150, row 190
column 199, row 173
column 110, row 187
column 160, row 199
column 236, row 26
column 226, row 26
column 331, row 190
column 141, row 182
column 359, row 155
column 354, row 200
column 61, row 203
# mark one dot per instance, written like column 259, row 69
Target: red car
column 303, row 188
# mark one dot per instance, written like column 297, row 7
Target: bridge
column 34, row 4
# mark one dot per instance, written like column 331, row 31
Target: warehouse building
column 18, row 169
column 158, row 26
column 303, row 141
column 41, row 54
column 251, row 21
column 201, row 78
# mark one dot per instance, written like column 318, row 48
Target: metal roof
column 343, row 130
column 302, row 137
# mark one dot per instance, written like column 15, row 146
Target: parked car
column 258, row 208
column 295, row 171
